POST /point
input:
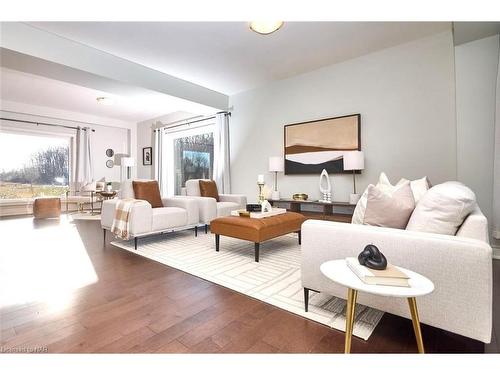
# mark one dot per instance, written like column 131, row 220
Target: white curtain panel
column 84, row 172
column 158, row 161
column 496, row 183
column 221, row 153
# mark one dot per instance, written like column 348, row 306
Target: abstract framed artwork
column 313, row 146
column 147, row 156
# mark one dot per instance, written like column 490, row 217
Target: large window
column 33, row 165
column 190, row 155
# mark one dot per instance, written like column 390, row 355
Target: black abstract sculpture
column 371, row 257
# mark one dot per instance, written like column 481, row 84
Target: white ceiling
column 32, row 89
column 228, row 57
column 464, row 32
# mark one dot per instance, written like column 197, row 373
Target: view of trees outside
column 42, row 172
column 193, row 158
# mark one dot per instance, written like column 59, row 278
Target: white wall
column 104, row 138
column 496, row 182
column 109, row 133
column 145, row 138
column 476, row 82
column 406, row 97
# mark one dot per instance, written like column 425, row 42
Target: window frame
column 169, row 149
column 47, row 133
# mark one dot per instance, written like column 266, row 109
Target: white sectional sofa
column 177, row 214
column 460, row 267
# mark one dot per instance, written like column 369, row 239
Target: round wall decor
column 110, row 152
column 110, row 164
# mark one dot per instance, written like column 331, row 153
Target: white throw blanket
column 120, row 227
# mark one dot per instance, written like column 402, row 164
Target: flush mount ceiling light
column 265, row 27
column 104, row 100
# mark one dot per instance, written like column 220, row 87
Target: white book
column 391, row 276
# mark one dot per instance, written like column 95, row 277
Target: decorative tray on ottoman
column 258, row 215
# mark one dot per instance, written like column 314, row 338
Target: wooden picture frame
column 311, row 146
column 147, row 156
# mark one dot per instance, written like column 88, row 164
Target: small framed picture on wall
column 147, row 156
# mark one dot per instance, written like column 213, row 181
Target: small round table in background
column 107, row 194
column 339, row 272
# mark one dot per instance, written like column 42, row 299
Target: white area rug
column 275, row 279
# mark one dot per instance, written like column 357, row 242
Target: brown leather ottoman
column 256, row 230
column 44, row 208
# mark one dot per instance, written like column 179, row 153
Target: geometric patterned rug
column 274, row 280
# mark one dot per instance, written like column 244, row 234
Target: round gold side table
column 339, row 272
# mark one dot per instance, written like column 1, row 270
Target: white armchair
column 459, row 266
column 209, row 208
column 177, row 213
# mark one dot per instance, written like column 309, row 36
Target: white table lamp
column 354, row 161
column 128, row 163
column 276, row 164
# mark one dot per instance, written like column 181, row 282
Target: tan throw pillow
column 148, row 191
column 359, row 212
column 386, row 209
column 443, row 209
column 208, row 188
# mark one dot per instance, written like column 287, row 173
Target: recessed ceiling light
column 105, row 101
column 265, row 27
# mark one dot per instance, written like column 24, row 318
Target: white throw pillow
column 193, row 188
column 391, row 210
column 384, row 185
column 126, row 190
column 88, row 186
column 359, row 211
column 443, row 209
column 418, row 187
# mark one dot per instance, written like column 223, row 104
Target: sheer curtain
column 159, row 174
column 84, row 172
column 496, row 181
column 221, row 153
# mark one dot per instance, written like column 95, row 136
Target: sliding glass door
column 190, row 155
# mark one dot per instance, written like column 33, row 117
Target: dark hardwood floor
column 62, row 290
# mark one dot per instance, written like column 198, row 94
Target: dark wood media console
column 327, row 213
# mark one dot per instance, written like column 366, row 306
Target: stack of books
column 391, row 276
